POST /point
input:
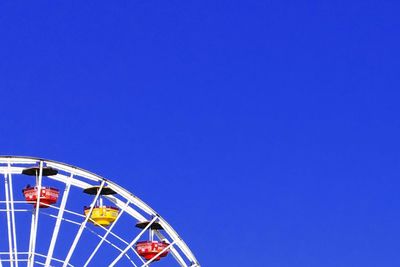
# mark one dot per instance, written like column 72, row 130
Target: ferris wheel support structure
column 124, row 206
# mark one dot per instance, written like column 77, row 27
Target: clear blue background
column 266, row 132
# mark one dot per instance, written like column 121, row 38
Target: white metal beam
column 78, row 235
column 35, row 218
column 14, row 231
column 58, row 222
column 91, row 231
column 10, row 242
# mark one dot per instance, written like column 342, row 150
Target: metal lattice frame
column 74, row 177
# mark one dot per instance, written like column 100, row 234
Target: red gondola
column 149, row 249
column 48, row 196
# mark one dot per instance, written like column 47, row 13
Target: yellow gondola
column 104, row 215
column 101, row 215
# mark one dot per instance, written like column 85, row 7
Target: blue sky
column 266, row 132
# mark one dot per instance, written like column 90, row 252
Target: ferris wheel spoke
column 8, row 219
column 54, row 259
column 112, row 244
column 40, row 263
column 14, row 232
column 133, row 242
column 58, row 222
column 90, row 231
column 35, row 218
column 78, row 235
column 31, row 231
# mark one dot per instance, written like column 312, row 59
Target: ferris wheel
column 55, row 214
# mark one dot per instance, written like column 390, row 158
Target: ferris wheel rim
column 13, row 159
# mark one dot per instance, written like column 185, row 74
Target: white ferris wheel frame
column 80, row 178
